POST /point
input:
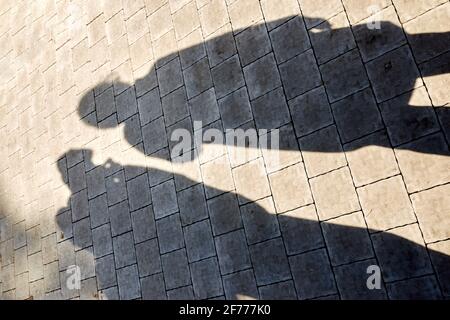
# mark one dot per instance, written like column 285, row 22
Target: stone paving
column 91, row 93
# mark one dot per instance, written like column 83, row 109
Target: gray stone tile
column 149, row 106
column 232, row 252
column 300, row 229
column 240, row 284
column 176, row 269
column 170, row 77
column 124, row 250
column 191, row 48
column 51, row 276
column 96, row 182
column 79, row 204
column 405, row 122
column 235, row 109
column 401, row 253
column 437, row 86
column 110, row 294
column 438, row 253
column 310, row 111
column 66, row 254
column 199, row 241
column 106, row 272
column 293, row 71
column 156, row 176
column 145, row 79
column 220, row 45
column 424, row 288
column 224, row 213
column 206, row 279
column 143, row 222
column 153, row 287
column 357, row 115
column 312, row 274
column 120, row 218
column 128, row 282
column 347, row 239
column 154, row 135
column 192, row 204
column 278, row 291
column 262, row 76
column 349, row 66
column 116, row 190
column 98, row 210
column 253, row 43
column 102, row 240
column 148, row 259
column 175, row 107
column 49, row 248
column 138, row 192
column 88, row 290
column 105, row 104
column 170, row 234
column 289, row 39
column 352, row 282
column 176, row 133
column 271, row 110
column 227, row 76
column 164, row 199
column 260, row 221
column 204, row 107
column 85, row 260
column 20, row 260
column 276, row 13
column 197, row 78
column 183, row 293
column 393, row 74
column 133, row 132
column 33, row 240
column 126, row 104
column 82, row 234
column 270, row 262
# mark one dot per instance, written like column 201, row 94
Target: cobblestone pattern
column 365, row 179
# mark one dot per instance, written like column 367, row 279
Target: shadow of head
column 334, row 91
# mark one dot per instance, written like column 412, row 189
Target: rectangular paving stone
column 227, row 76
column 301, row 230
column 224, row 213
column 262, row 76
column 204, row 107
column 126, row 104
column 438, row 83
column 51, row 276
column 213, row 15
column 332, row 42
column 175, row 132
column 408, row 10
column 352, row 282
column 423, row 288
column 347, row 239
column 232, row 252
column 153, row 287
column 291, row 198
column 432, row 207
column 96, row 182
column 251, row 181
column 148, row 258
column 124, row 250
column 102, row 240
column 220, row 45
column 82, row 234
column 116, row 190
column 260, row 221
column 20, row 236
column 133, row 133
column 66, row 255
column 164, row 199
column 79, row 204
column 401, row 253
column 154, row 136
column 270, row 110
column 386, row 204
column 252, row 43
column 357, row 10
column 199, row 241
column 197, row 78
column 85, row 260
column 128, row 283
column 244, row 13
column 393, row 73
column 170, row 234
column 49, row 248
column 20, row 260
column 77, row 178
column 217, row 173
column 105, row 104
column 191, row 48
column 312, row 274
column 149, row 106
column 275, row 14
column 317, row 11
column 140, row 51
column 206, row 279
column 120, row 218
column 158, row 22
column 310, row 111
column 34, row 240
column 331, row 201
column 423, row 170
column 176, row 269
column 239, row 285
column 98, row 211
column 170, row 77
column 138, row 192
column 357, row 115
column 322, row 151
column 409, row 116
column 143, row 223
column 192, row 204
column 235, row 109
column 22, row 287
column 344, row 75
column 105, row 271
column 439, row 252
column 183, row 293
column 89, row 289
column 278, row 291
column 270, row 262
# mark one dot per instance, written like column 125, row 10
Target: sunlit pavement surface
column 355, row 204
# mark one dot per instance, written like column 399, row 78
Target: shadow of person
column 210, row 238
column 301, row 92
